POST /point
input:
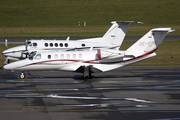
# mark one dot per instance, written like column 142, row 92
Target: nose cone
column 5, row 52
column 15, row 52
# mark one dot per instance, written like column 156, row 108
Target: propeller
column 6, row 44
column 6, row 59
column 26, row 48
column 26, row 52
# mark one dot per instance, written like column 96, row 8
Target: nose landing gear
column 23, row 75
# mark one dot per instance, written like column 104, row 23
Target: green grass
column 44, row 14
column 168, row 53
column 30, row 13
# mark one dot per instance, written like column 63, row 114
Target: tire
column 22, row 75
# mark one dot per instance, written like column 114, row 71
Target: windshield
column 38, row 57
column 28, row 42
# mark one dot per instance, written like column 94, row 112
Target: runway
column 129, row 93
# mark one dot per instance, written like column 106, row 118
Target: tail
column 149, row 42
column 116, row 33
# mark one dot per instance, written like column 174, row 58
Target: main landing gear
column 87, row 73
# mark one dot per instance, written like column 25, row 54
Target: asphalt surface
column 21, row 40
column 129, row 93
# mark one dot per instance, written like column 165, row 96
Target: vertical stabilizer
column 150, row 41
column 116, row 33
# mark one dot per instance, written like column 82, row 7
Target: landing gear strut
column 87, row 74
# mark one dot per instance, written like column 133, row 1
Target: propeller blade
column 6, row 44
column 26, row 49
column 26, row 45
column 7, row 61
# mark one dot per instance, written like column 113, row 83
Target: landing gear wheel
column 87, row 73
column 22, row 75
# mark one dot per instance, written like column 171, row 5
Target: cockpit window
column 28, row 42
column 38, row 56
column 34, row 44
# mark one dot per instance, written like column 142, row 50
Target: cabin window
column 46, row 44
column 74, row 55
column 62, row 56
column 51, row 44
column 68, row 56
column 49, row 56
column 56, row 45
column 56, row 56
column 61, row 45
column 83, row 45
column 66, row 45
column 38, row 56
column 34, row 44
column 80, row 55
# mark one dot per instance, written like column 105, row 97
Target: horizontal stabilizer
column 126, row 22
column 163, row 30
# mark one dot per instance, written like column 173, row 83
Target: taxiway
column 129, row 93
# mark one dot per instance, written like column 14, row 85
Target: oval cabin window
column 49, row 56
column 51, row 44
column 61, row 45
column 68, row 56
column 46, row 44
column 56, row 45
column 62, row 56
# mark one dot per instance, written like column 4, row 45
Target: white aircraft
column 113, row 38
column 92, row 61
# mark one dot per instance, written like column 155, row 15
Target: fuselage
column 100, row 60
column 54, row 45
column 113, row 38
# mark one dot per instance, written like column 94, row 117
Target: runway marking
column 97, row 105
column 138, row 100
column 97, row 110
column 75, row 97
